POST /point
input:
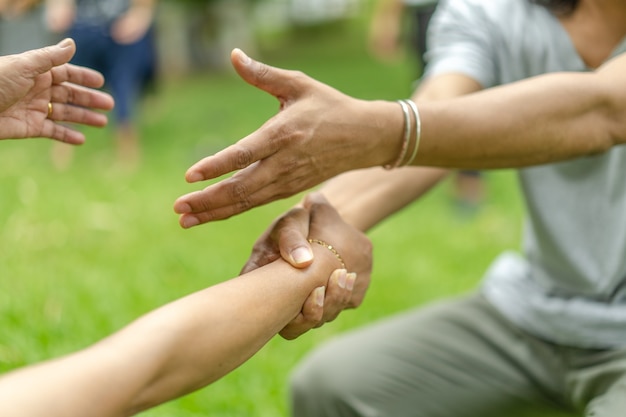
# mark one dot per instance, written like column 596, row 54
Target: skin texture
column 575, row 114
column 36, row 78
column 188, row 343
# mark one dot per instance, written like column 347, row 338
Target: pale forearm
column 208, row 334
column 174, row 350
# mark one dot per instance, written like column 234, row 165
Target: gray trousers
column 458, row 358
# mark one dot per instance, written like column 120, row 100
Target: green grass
column 85, row 251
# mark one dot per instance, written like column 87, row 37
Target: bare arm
column 39, row 88
column 172, row 351
column 365, row 197
column 362, row 198
column 545, row 119
column 186, row 344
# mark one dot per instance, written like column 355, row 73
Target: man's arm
column 544, row 119
column 365, row 197
column 321, row 133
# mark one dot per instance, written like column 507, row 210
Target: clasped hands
column 318, row 133
column 287, row 238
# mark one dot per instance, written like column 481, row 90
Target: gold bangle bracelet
column 330, row 248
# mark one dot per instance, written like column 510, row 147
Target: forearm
column 365, row 197
column 223, row 326
column 169, row 352
column 551, row 118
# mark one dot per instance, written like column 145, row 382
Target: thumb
column 275, row 81
column 42, row 60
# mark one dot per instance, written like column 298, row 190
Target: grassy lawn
column 86, row 250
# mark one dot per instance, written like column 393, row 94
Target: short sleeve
column 460, row 40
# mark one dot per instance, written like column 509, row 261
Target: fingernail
column 301, row 255
column 65, row 43
column 243, row 58
column 194, row 177
column 351, row 279
column 320, row 293
column 342, row 278
column 190, row 221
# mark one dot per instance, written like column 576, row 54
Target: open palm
column 29, row 81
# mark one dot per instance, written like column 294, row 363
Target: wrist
column 387, row 132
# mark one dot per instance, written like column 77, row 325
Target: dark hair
column 558, row 6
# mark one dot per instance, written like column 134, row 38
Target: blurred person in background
column 535, row 85
column 115, row 37
column 10, row 8
column 388, row 35
column 21, row 26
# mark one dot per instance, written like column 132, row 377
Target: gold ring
column 49, row 110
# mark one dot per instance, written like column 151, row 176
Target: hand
column 33, row 79
column 318, row 133
column 132, row 25
column 287, row 238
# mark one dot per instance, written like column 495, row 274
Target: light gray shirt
column 569, row 286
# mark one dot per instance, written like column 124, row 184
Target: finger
column 259, row 145
column 62, row 133
column 81, row 96
column 39, row 61
column 309, row 318
column 77, row 75
column 226, row 199
column 282, row 84
column 263, row 253
column 248, row 188
column 338, row 295
column 74, row 114
column 292, row 231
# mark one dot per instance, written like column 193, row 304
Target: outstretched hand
column 39, row 88
column 318, row 133
column 288, row 238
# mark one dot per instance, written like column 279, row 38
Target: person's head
column 559, row 6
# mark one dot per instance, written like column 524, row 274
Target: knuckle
column 243, row 157
column 262, row 73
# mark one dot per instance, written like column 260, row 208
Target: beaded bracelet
column 330, row 248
